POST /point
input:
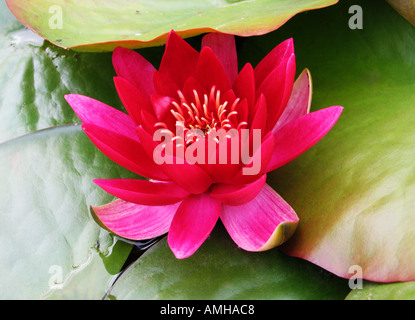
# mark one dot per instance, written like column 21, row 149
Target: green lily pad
column 48, row 240
column 50, row 246
column 380, row 291
column 219, row 270
column 101, row 26
column 354, row 192
column 36, row 75
column 35, row 79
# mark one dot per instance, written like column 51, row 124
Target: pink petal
column 261, row 224
column 260, row 117
column 194, row 221
column 223, row 169
column 193, row 84
column 244, row 86
column 190, row 177
column 150, row 193
column 301, row 134
column 132, row 98
column 243, row 110
column 221, row 173
column 300, row 100
column 165, row 86
column 93, row 111
column 259, row 162
column 125, row 151
column 230, row 97
column 179, row 60
column 210, row 72
column 276, row 88
column 236, row 195
column 147, row 142
column 134, row 221
column 131, row 66
column 162, row 106
column 148, row 120
column 223, row 45
column 273, row 60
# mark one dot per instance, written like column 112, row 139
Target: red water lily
column 202, row 90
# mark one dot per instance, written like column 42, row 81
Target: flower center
column 205, row 114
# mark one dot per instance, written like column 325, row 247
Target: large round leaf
column 36, row 75
column 102, row 25
column 50, row 246
column 48, row 240
column 354, row 191
column 220, row 270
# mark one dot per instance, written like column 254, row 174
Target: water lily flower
column 202, row 90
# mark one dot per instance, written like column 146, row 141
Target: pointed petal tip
column 99, row 182
column 224, row 47
column 337, row 111
column 309, row 79
column 70, row 97
column 288, row 43
column 132, row 66
column 172, row 34
column 117, row 54
column 118, row 82
column 74, row 99
column 181, row 255
column 307, row 71
column 119, row 51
